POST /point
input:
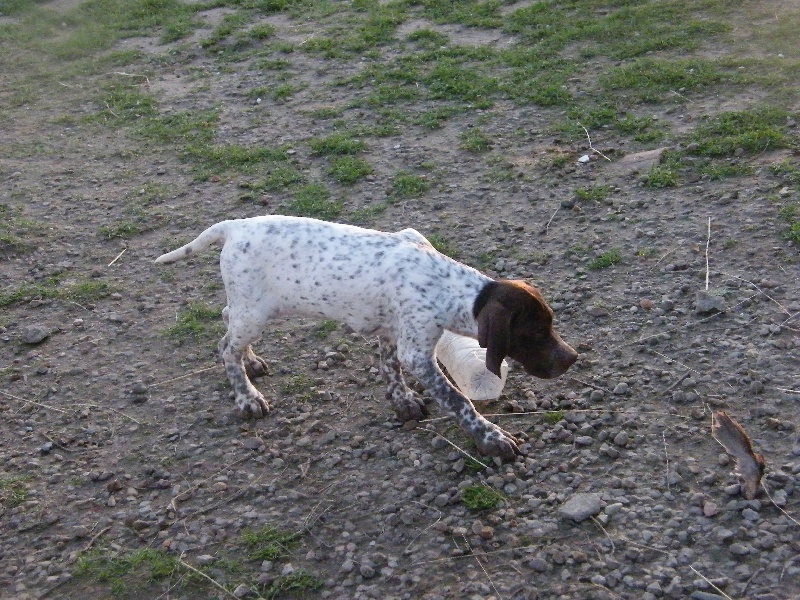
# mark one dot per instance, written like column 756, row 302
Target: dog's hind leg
column 254, row 365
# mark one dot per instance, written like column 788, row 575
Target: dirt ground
column 117, row 435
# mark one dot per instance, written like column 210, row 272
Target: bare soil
column 120, row 437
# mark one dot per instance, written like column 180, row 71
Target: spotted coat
column 393, row 285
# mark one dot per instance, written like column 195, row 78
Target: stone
column 706, row 303
column 581, row 506
column 35, row 334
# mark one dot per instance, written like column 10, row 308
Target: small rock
column 597, row 311
column 750, row 515
column 242, row 590
column 205, row 559
column 705, row 303
column 219, row 486
column 698, row 595
column 621, row 389
column 538, row 564
column 739, row 549
column 581, row 506
column 710, row 508
column 621, row 439
column 35, row 334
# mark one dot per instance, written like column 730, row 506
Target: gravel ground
column 118, row 437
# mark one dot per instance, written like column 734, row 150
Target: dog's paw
column 255, row 366
column 252, row 408
column 497, row 442
column 410, row 409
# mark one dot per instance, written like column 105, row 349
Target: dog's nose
column 564, row 357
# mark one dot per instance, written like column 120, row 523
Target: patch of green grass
column 790, row 213
column 120, row 229
column 787, row 170
column 327, row 112
column 481, row 497
column 665, row 173
column 13, row 491
column 408, row 185
column 450, row 80
column 719, row 170
column 280, row 177
column 14, row 228
column 596, row 193
column 270, row 543
column 473, row 467
column 313, row 200
column 297, row 583
column 336, row 145
column 435, row 118
column 189, row 128
column 475, row 140
column 297, row 384
column 753, row 131
column 656, row 79
column 325, row 328
column 123, row 103
column 606, row 259
column 348, row 170
column 197, row 320
column 127, row 575
column 284, row 92
column 366, row 214
column 83, row 291
column 444, row 245
column 554, row 416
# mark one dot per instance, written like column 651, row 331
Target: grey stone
column 35, row 334
column 706, row 303
column 581, row 506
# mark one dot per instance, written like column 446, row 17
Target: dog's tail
column 215, row 233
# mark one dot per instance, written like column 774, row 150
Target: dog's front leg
column 490, row 439
column 407, row 406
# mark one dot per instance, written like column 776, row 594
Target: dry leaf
column 733, row 437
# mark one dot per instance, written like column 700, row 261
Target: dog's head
column 514, row 321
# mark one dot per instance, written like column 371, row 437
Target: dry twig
column 592, row 148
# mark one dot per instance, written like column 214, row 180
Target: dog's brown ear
column 494, row 334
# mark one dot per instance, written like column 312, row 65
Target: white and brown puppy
column 393, row 285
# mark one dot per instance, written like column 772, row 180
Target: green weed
column 752, row 131
column 481, row 497
column 297, row 384
column 606, row 259
column 408, row 185
column 270, row 543
column 198, row 319
column 475, row 140
column 325, row 328
column 13, row 491
column 298, row 582
column 444, row 245
column 87, row 291
column 554, row 416
column 790, row 213
column 336, row 145
column 313, row 200
column 596, row 193
column 349, row 169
